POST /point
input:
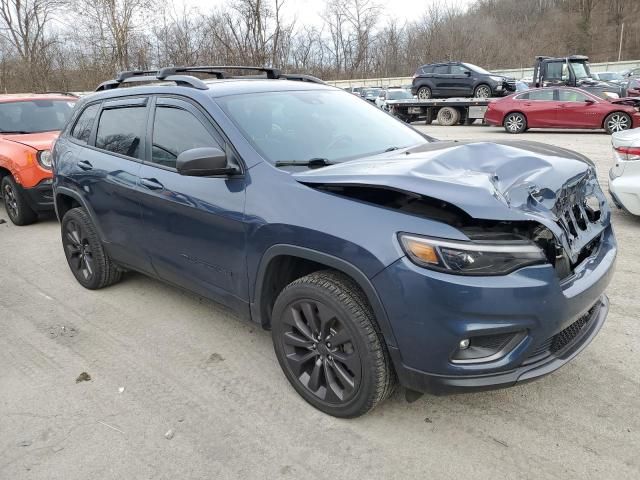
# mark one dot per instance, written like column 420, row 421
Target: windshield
column 398, row 94
column 608, row 76
column 319, row 124
column 372, row 92
column 581, row 69
column 32, row 116
column 476, row 68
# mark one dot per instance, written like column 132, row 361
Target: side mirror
column 203, row 162
column 467, row 73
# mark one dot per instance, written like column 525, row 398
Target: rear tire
column 617, row 122
column 424, row 93
column 515, row 122
column 19, row 212
column 328, row 345
column 448, row 116
column 87, row 259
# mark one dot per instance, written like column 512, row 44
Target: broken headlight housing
column 471, row 258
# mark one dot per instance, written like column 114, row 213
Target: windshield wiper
column 311, row 163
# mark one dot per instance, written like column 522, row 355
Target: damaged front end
column 493, row 193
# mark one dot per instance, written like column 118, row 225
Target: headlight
column 44, row 158
column 471, row 258
column 496, row 79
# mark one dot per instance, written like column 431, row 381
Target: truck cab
column 572, row 71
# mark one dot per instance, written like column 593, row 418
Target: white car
column 391, row 94
column 624, row 177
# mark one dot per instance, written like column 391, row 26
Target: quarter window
column 174, row 131
column 121, row 130
column 82, row 129
column 545, row 95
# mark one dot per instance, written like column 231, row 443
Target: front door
column 577, row 110
column 196, row 235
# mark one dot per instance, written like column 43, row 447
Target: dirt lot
column 190, row 366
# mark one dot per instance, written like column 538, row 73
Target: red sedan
column 562, row 107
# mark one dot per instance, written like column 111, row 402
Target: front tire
column 19, row 212
column 87, row 259
column 515, row 123
column 328, row 345
column 482, row 91
column 617, row 122
column 424, row 93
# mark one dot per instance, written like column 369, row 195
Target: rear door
column 107, row 165
column 195, row 226
column 441, row 81
column 575, row 111
column 539, row 106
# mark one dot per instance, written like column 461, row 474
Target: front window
column 320, row 124
column 476, row 68
column 34, row 116
column 609, row 76
column 572, row 96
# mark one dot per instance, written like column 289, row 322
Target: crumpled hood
column 38, row 141
column 508, row 180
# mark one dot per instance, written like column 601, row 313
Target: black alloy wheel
column 328, row 344
column 86, row 256
column 78, row 251
column 14, row 202
column 320, row 351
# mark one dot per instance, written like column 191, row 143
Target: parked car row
column 373, row 254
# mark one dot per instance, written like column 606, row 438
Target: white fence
column 511, row 72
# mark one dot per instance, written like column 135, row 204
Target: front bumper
column 40, row 197
column 430, row 312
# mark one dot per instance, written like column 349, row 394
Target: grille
column 510, row 84
column 564, row 338
column 492, row 342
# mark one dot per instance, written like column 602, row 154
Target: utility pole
column 620, row 48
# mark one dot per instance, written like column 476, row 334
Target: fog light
column 464, row 344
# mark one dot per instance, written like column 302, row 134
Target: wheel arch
column 65, row 199
column 270, row 281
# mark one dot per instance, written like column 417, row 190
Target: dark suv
column 457, row 79
column 372, row 252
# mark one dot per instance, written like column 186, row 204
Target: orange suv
column 29, row 124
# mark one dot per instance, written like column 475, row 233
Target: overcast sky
column 308, row 11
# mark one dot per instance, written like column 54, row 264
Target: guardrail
column 517, row 73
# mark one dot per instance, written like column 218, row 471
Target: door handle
column 151, row 184
column 85, row 165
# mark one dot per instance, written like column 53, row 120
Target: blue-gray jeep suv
column 373, row 253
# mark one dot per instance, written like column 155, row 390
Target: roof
column 216, row 88
column 21, row 97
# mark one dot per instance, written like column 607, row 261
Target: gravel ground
column 180, row 388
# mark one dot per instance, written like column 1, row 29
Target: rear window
column 121, row 130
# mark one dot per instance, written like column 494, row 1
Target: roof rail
column 172, row 74
column 215, row 71
column 150, row 76
column 301, row 77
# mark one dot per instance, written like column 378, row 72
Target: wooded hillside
column 75, row 44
